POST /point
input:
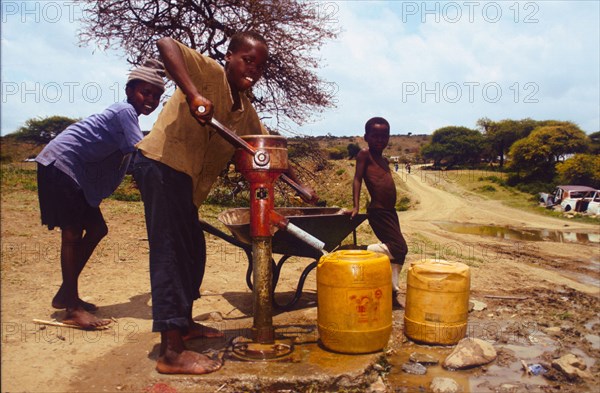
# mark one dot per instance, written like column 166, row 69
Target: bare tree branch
column 294, row 30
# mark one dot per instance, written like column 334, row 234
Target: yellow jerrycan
column 354, row 294
column 437, row 301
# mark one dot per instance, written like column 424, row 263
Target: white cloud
column 397, row 66
column 423, row 65
column 45, row 72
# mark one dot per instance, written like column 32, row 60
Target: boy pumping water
column 177, row 164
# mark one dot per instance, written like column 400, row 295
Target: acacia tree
column 43, row 130
column 536, row 156
column 290, row 88
column 502, row 134
column 580, row 169
column 454, row 146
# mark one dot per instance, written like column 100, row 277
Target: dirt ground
column 556, row 284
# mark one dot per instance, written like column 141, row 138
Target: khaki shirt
column 179, row 141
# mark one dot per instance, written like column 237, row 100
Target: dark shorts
column 386, row 226
column 62, row 203
column 176, row 241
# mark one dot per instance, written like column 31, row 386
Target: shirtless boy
column 374, row 169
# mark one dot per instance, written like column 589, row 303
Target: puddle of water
column 582, row 278
column 480, row 379
column 398, row 378
column 508, row 233
column 484, row 379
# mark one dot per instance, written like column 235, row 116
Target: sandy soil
column 559, row 282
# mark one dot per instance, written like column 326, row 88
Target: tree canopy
column 43, row 130
column 500, row 135
column 451, row 146
column 595, row 142
column 581, row 169
column 294, row 30
column 538, row 154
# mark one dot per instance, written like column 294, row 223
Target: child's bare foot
column 59, row 302
column 197, row 330
column 186, row 362
column 79, row 317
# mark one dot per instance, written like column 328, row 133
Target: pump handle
column 238, row 142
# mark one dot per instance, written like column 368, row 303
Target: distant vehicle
column 589, row 205
column 566, row 196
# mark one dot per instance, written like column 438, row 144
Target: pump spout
column 283, row 223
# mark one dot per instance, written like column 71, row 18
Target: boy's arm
column 361, row 159
column 175, row 65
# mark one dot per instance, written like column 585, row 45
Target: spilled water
column 508, row 233
column 506, row 373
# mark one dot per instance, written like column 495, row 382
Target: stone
column 470, row 352
column 477, row 305
column 422, row 358
column 444, row 385
column 572, row 367
column 554, row 331
column 378, row 386
column 414, row 368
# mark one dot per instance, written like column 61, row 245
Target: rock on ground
column 470, row 352
column 572, row 367
column 444, row 385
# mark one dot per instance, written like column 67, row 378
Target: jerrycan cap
column 351, row 256
column 439, row 266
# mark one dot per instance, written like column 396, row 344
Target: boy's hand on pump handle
column 201, row 108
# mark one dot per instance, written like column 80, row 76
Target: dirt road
column 544, row 263
column 560, row 281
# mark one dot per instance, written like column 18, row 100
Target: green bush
column 581, row 169
column 43, row 130
column 487, row 188
column 337, row 153
column 494, row 179
column 403, row 204
column 127, row 191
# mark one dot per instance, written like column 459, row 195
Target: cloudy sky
column 421, row 64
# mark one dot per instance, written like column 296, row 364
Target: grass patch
column 565, row 315
column 494, row 179
column 18, row 176
column 127, row 191
column 487, row 188
column 485, row 184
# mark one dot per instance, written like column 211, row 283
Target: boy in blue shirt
column 78, row 169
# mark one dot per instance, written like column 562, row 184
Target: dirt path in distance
column 543, row 263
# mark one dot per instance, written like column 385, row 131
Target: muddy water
column 505, row 371
column 508, row 233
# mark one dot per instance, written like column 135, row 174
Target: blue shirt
column 95, row 151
